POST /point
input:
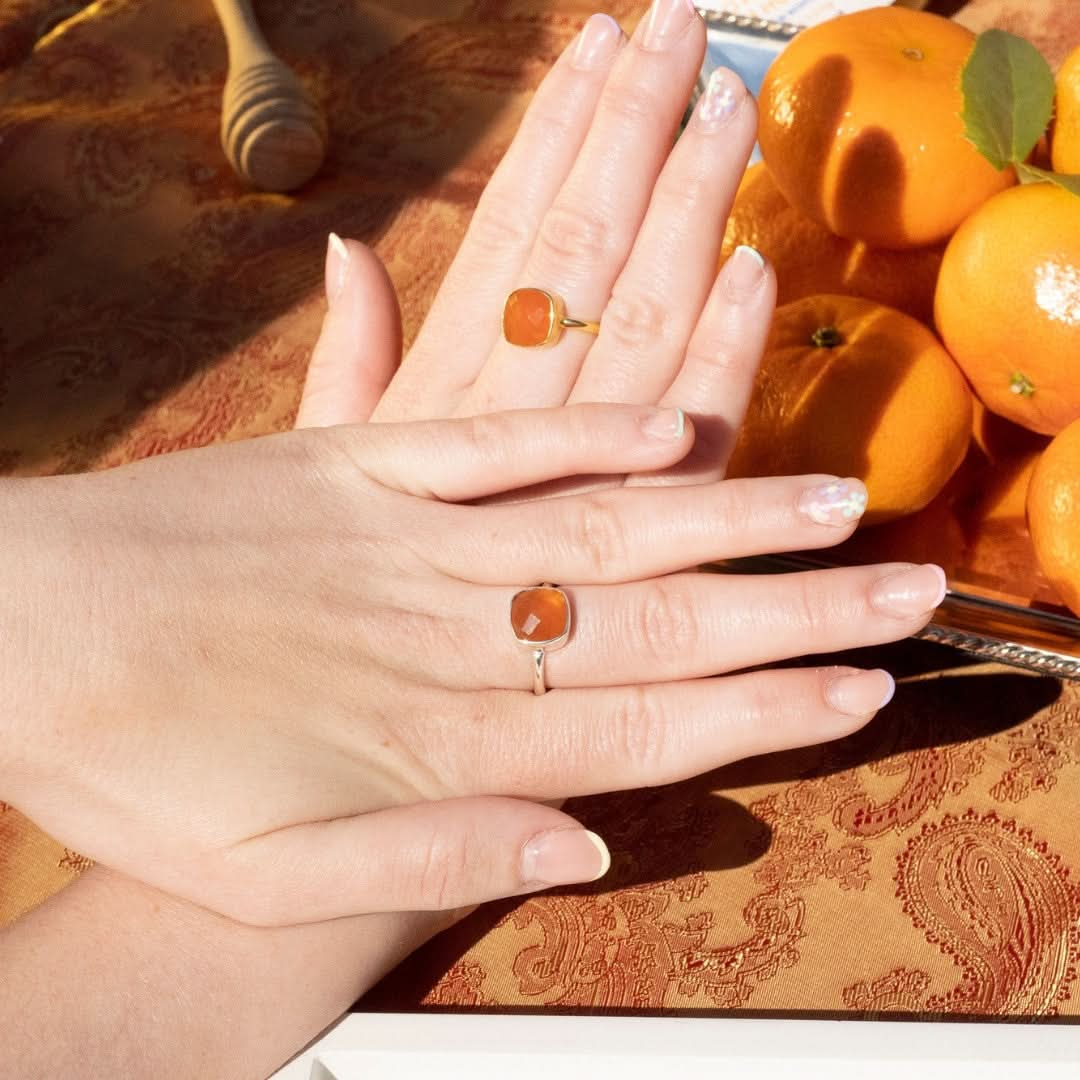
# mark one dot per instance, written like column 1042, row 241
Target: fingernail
column 564, row 857
column 909, row 593
column 596, row 44
column 744, row 271
column 722, row 99
column 665, row 22
column 836, row 502
column 337, row 267
column 861, row 694
column 666, row 424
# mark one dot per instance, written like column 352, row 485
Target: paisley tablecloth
column 148, row 303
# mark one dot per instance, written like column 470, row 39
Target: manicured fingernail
column 861, row 694
column 836, row 502
column 744, row 271
column 666, row 424
column 596, row 44
column 722, row 99
column 337, row 267
column 665, row 23
column 910, row 593
column 564, row 857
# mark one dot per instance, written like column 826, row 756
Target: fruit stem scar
column 1020, row 384
column 826, row 337
column 913, row 54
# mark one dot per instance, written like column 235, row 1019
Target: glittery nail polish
column 836, row 502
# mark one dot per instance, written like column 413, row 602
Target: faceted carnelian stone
column 528, row 318
column 540, row 615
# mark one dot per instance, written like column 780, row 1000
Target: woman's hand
column 278, row 678
column 592, row 203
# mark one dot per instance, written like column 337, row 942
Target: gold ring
column 540, row 618
column 532, row 317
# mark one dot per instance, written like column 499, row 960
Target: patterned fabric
column 150, row 303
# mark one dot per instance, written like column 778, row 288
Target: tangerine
column 1008, row 304
column 855, row 388
column 861, row 127
column 809, row 259
column 1053, row 514
column 1065, row 147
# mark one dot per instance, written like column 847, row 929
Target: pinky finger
column 722, row 359
column 426, row 857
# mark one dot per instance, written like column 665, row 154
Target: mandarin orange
column 1053, row 514
column 861, row 127
column 1065, row 148
column 809, row 259
column 854, row 388
column 1008, row 305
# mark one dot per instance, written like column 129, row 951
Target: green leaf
column 1030, row 174
column 1008, row 97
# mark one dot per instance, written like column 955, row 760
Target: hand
column 290, row 687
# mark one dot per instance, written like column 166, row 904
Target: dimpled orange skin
column 809, row 259
column 861, row 128
column 1008, row 305
column 885, row 404
column 1065, row 148
column 1053, row 514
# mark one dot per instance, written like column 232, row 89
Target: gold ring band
column 540, row 619
column 533, row 318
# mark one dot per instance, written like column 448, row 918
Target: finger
column 457, row 460
column 588, row 233
column 360, row 343
column 581, row 742
column 628, row 534
column 682, row 626
column 502, row 231
column 661, row 292
column 427, row 857
column 717, row 375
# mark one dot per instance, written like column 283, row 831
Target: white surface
column 389, row 1046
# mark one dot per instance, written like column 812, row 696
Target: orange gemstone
column 528, row 318
column 540, row 616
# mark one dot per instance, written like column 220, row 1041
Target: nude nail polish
column 337, row 267
column 743, row 272
column 911, row 593
column 665, row 22
column 564, row 857
column 723, row 97
column 596, row 44
column 836, row 502
column 862, row 693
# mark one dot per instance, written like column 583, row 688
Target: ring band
column 540, row 619
column 533, row 318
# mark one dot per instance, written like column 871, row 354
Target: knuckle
column 737, row 510
column 441, row 873
column 576, row 235
column 488, row 436
column 599, row 535
column 670, row 626
column 640, row 735
column 681, row 196
column 809, row 606
column 499, row 225
column 636, row 322
column 631, row 104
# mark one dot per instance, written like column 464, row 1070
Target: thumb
column 359, row 346
column 428, row 856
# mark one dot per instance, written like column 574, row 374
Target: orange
column 853, row 388
column 1008, row 305
column 809, row 259
column 1065, row 148
column 1053, row 514
column 861, row 127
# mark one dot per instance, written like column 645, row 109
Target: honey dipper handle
column 273, row 133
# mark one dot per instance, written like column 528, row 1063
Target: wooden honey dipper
column 273, row 133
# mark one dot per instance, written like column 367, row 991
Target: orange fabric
column 150, row 303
